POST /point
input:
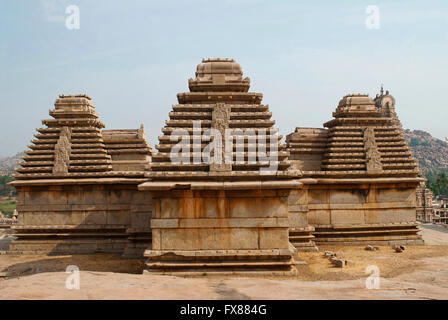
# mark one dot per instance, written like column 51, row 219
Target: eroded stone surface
column 83, row 189
column 365, row 174
column 77, row 188
column 243, row 213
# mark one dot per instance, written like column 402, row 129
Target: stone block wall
column 351, row 214
column 220, row 231
column 300, row 232
column 247, row 220
column 69, row 219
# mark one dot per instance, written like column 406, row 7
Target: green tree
column 438, row 183
column 4, row 189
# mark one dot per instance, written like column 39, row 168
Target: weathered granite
column 77, row 186
column 365, row 174
column 223, row 215
column 425, row 209
column 216, row 207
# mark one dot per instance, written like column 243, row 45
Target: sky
column 132, row 57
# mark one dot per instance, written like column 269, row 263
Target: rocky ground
column 420, row 272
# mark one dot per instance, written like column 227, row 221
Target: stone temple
column 222, row 194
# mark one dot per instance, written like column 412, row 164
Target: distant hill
column 431, row 153
column 8, row 164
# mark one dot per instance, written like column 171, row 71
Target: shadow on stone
column 98, row 262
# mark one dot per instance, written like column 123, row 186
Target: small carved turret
column 70, row 145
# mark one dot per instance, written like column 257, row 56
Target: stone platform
column 222, row 194
column 220, row 230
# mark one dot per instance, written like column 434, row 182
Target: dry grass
column 318, row 267
column 390, row 263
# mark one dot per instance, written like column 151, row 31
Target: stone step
column 85, row 113
column 42, row 147
column 306, row 150
column 346, row 139
column 94, row 145
column 345, row 144
column 165, row 156
column 301, row 238
column 344, row 161
column 307, row 144
column 249, row 272
column 403, row 148
column 40, row 152
column 391, row 144
column 331, row 149
column 74, row 130
column 168, row 130
column 218, row 264
column 376, row 127
column 404, row 155
column 38, row 157
column 90, row 168
column 73, row 122
column 181, row 175
column 319, row 234
column 166, row 148
column 209, row 107
column 361, row 122
column 352, row 166
column 168, row 166
column 35, row 170
column 100, row 234
column 89, row 152
column 208, row 115
column 396, row 166
column 349, row 155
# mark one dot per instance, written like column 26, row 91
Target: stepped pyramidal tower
column 222, row 194
column 71, row 144
column 219, row 100
column 224, row 205
column 365, row 174
column 77, row 185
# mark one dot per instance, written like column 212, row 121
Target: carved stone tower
column 365, row 174
column 220, row 181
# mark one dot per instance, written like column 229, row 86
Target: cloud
column 415, row 16
column 54, row 10
column 92, row 56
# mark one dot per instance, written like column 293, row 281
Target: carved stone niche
column 220, row 122
column 373, row 156
column 62, row 153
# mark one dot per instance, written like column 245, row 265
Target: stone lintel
column 214, row 253
column 53, row 182
column 308, row 181
column 73, row 207
column 220, row 223
column 369, row 181
column 363, row 206
column 358, row 226
column 210, row 185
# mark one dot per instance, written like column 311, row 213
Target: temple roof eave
column 77, row 181
column 220, row 185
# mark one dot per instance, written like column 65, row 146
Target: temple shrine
column 223, row 193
